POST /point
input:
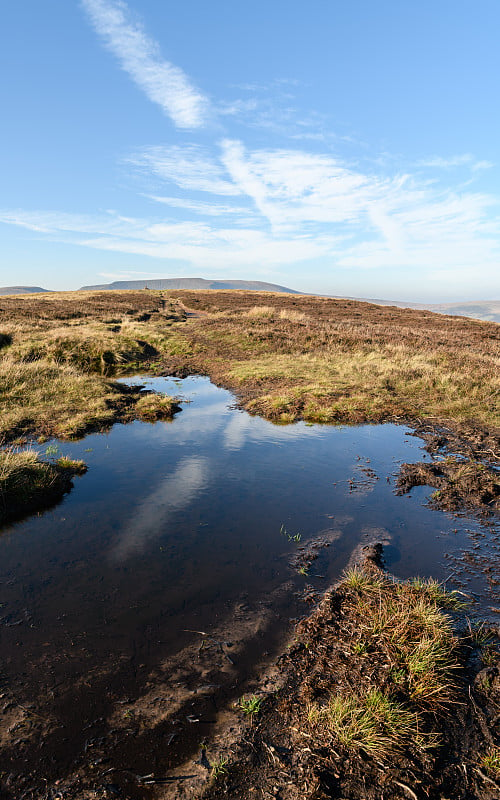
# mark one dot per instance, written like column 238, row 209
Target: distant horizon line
column 26, row 289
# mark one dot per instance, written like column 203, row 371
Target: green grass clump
column 438, row 593
column 389, row 698
column 372, row 722
column 151, row 407
column 75, row 466
column 26, row 481
column 359, row 580
column 407, row 622
column 20, row 469
column 491, row 762
column 219, row 768
column 250, row 705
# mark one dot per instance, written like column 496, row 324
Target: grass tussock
column 373, row 722
column 151, row 407
column 402, row 661
column 74, row 466
column 336, row 361
column 16, row 465
column 60, row 353
column 27, row 482
column 262, row 312
column 407, row 621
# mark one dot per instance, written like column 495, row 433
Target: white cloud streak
column 304, row 207
column 162, row 82
column 189, row 167
column 463, row 160
column 212, row 209
column 154, row 515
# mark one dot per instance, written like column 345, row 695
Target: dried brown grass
column 290, row 357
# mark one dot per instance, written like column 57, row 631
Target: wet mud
column 460, row 485
column 277, row 756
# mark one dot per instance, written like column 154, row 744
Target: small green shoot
column 491, row 762
column 397, row 675
column 489, row 655
column 295, row 537
column 219, row 768
column 250, row 705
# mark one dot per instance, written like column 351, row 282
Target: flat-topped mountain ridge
column 177, row 284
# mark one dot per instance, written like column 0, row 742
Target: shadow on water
column 150, row 596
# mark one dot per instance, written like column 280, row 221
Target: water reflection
column 175, row 524
column 155, row 513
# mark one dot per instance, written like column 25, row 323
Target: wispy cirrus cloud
column 212, row 209
column 139, row 55
column 463, row 160
column 199, row 244
column 190, row 167
column 263, row 209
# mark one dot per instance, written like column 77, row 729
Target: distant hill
column 488, row 310
column 22, row 289
column 178, row 284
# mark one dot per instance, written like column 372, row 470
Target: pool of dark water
column 178, row 527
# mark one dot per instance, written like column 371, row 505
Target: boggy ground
column 385, row 693
column 286, row 357
column 59, row 353
column 29, row 483
column 322, row 360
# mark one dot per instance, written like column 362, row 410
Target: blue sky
column 337, row 147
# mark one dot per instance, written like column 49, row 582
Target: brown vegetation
column 289, row 357
column 285, row 356
column 61, row 350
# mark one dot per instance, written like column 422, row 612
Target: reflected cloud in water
column 153, row 514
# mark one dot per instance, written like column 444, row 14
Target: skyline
column 346, row 150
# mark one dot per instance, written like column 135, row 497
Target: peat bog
column 163, row 586
column 155, row 597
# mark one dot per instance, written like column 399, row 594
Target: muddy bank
column 464, row 470
column 336, row 726
column 472, row 440
column 459, row 484
column 31, row 485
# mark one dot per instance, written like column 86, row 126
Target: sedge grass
column 371, row 722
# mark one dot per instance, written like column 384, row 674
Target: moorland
column 382, row 672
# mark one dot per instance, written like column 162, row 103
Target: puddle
column 189, row 528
